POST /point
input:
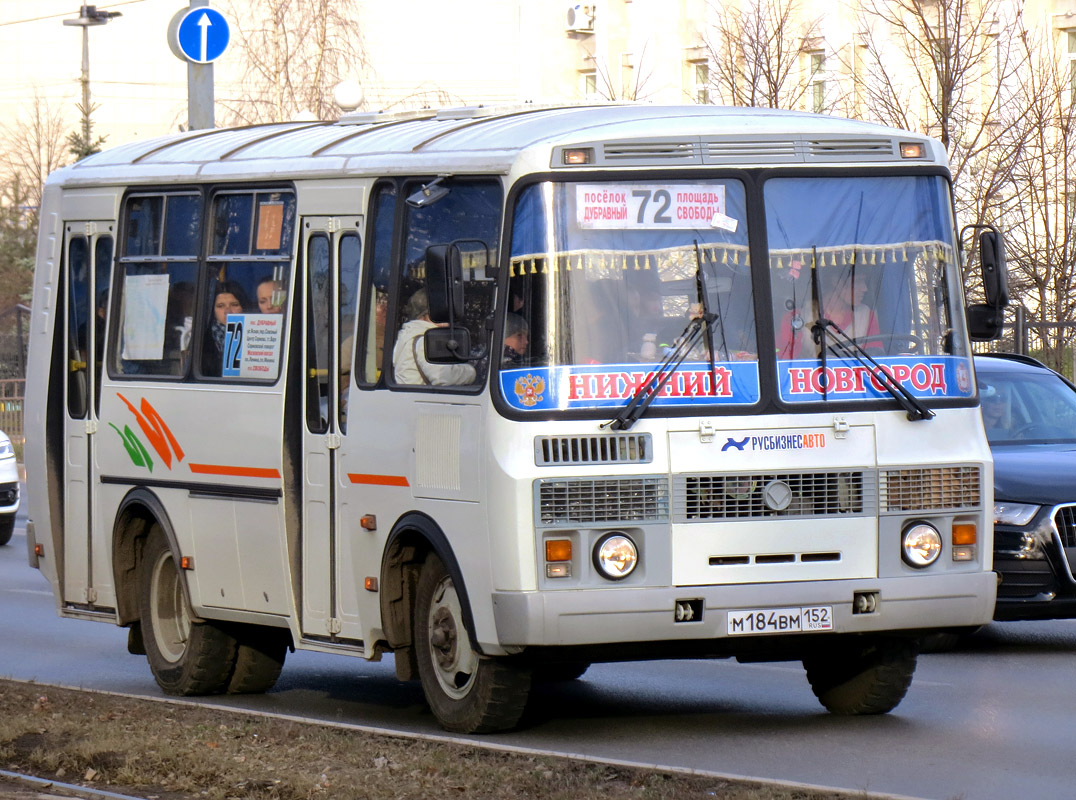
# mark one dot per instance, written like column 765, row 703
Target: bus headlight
column 615, row 556
column 921, row 544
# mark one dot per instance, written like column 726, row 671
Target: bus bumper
column 612, row 615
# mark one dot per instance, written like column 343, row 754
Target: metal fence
column 1053, row 343
column 11, row 394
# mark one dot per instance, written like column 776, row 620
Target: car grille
column 698, row 498
column 641, row 498
column 1065, row 520
column 9, row 493
column 934, row 488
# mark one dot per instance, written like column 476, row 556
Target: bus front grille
column 625, row 448
column 931, row 488
column 641, row 498
column 705, row 498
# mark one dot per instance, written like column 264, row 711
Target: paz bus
column 507, row 392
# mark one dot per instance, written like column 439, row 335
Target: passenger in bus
column 516, row 341
column 228, row 298
column 271, row 296
column 409, row 364
column 842, row 302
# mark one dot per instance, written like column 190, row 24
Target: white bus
column 508, row 392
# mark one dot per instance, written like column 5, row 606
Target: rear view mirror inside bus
column 444, row 282
column 447, row 345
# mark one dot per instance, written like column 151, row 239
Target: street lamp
column 88, row 16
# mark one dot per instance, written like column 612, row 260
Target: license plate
column 780, row 620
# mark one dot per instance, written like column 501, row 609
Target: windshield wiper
column 845, row 345
column 655, row 382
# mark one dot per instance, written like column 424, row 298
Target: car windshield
column 1021, row 407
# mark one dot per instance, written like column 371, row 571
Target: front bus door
column 331, row 250
column 88, row 248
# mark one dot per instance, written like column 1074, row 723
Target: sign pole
column 200, row 97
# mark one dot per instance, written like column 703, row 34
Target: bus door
column 331, row 252
column 88, row 248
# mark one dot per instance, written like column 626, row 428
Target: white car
column 9, row 489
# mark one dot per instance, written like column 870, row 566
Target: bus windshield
column 606, row 278
column 871, row 260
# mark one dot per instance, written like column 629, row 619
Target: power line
column 66, row 13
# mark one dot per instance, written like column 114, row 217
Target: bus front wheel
column 467, row 692
column 187, row 657
column 869, row 676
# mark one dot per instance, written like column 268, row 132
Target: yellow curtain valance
column 865, row 254
column 671, row 262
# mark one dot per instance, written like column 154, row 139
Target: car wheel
column 187, row 657
column 7, row 528
column 467, row 692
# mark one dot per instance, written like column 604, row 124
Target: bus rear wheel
column 187, row 657
column 467, row 692
column 869, row 676
column 259, row 659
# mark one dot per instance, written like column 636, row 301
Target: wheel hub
column 443, row 637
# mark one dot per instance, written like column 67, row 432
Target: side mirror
column 984, row 322
column 447, row 345
column 444, row 282
column 995, row 269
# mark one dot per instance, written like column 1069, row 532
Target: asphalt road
column 994, row 720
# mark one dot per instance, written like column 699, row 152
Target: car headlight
column 615, row 556
column 921, row 544
column 6, row 449
column 1018, row 514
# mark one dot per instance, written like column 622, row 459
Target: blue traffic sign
column 202, row 35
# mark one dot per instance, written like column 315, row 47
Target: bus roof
column 492, row 139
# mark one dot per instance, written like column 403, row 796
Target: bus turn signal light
column 186, row 562
column 558, row 550
column 965, row 538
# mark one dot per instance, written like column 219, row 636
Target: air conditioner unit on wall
column 580, row 19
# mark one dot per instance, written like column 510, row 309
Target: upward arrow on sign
column 204, row 24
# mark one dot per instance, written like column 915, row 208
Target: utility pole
column 88, row 17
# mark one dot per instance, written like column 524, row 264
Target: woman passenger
column 228, row 298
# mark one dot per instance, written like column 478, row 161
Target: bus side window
column 376, row 283
column 249, row 265
column 156, row 275
column 470, row 216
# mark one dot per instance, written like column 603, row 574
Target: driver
column 843, row 296
column 997, row 411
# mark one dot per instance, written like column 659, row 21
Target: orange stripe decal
column 378, row 480
column 234, row 472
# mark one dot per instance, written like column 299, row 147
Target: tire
column 560, row 672
column 185, row 656
column 856, row 677
column 259, row 659
column 939, row 642
column 467, row 692
column 7, row 528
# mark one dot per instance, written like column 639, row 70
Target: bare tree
column 949, row 69
column 295, row 52
column 1037, row 202
column 634, row 74
column 34, row 146
column 756, row 53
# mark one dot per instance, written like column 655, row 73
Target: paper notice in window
column 145, row 303
column 270, row 226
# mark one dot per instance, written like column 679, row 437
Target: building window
column 700, row 89
column 590, row 85
column 1072, row 65
column 818, row 81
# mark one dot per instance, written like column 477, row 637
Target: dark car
column 1030, row 416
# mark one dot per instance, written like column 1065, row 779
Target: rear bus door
column 88, row 250
column 331, row 253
